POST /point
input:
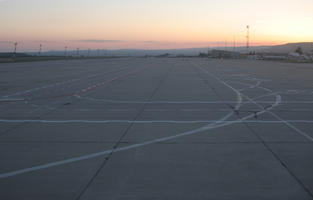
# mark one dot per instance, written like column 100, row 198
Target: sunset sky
column 151, row 24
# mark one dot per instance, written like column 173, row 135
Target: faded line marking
column 190, row 102
column 218, row 124
column 58, row 163
column 59, row 83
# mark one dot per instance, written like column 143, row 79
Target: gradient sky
column 151, row 24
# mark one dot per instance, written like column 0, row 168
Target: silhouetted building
column 225, row 54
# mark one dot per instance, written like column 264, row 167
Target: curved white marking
column 219, row 123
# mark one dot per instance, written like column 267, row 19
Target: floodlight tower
column 248, row 38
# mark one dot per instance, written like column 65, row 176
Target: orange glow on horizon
column 152, row 25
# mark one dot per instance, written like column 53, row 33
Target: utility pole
column 65, row 51
column 15, row 49
column 225, row 45
column 248, row 38
column 40, row 48
column 208, row 50
column 234, row 44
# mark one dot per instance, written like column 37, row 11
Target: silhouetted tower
column 88, row 53
column 77, row 51
column 40, row 48
column 248, row 38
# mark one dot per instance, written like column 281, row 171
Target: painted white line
column 282, row 120
column 59, row 83
column 190, row 102
column 239, row 96
column 106, row 152
column 218, row 124
column 80, row 158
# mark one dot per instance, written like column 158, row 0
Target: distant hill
column 281, row 49
column 9, row 55
column 290, row 47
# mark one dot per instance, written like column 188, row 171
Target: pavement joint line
column 58, row 83
column 89, row 156
column 283, row 164
column 278, row 117
column 81, row 91
column 50, row 111
column 122, row 137
column 284, row 121
column 219, row 124
column 278, row 100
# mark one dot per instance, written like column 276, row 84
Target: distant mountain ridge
column 281, row 49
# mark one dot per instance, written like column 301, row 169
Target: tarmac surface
column 156, row 128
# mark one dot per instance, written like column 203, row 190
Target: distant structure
column 40, row 48
column 65, row 51
column 88, row 54
column 225, row 45
column 15, row 49
column 77, row 51
column 248, row 38
column 234, row 47
column 221, row 54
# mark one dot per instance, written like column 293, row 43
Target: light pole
column 65, row 51
column 40, row 48
column 15, row 49
column 248, row 38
